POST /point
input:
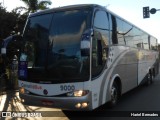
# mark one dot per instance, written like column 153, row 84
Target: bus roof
column 70, row 7
column 78, row 6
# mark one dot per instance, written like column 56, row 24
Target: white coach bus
column 82, row 56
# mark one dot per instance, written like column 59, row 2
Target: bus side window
column 99, row 52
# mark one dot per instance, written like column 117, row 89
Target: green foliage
column 11, row 22
column 20, row 19
column 7, row 21
column 34, row 5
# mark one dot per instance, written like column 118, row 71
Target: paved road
column 143, row 98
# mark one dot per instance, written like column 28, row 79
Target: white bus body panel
column 118, row 64
column 53, row 89
column 129, row 64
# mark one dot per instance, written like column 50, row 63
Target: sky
column 131, row 10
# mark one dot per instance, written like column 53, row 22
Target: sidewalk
column 8, row 84
column 6, row 99
column 10, row 102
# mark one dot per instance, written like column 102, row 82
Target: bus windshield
column 52, row 46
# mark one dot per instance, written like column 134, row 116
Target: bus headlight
column 78, row 93
column 82, row 105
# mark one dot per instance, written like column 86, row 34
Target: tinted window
column 64, row 55
column 145, row 39
column 124, row 33
column 153, row 43
column 101, row 20
column 70, row 22
column 120, row 32
column 52, row 46
column 128, row 34
column 36, row 36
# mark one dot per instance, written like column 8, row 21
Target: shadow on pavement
column 10, row 102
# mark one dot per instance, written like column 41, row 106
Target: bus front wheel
column 115, row 93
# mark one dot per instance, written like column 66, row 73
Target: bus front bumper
column 65, row 103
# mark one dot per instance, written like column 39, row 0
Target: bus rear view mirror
column 16, row 39
column 85, row 44
column 85, row 48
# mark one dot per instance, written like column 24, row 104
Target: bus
column 80, row 57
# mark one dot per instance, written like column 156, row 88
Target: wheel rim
column 114, row 94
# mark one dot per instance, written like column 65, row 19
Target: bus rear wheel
column 149, row 78
column 115, row 94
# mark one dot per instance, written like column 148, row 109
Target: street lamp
column 153, row 10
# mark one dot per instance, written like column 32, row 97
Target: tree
column 7, row 21
column 21, row 19
column 11, row 23
column 34, row 5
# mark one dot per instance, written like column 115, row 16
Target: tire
column 115, row 95
column 149, row 78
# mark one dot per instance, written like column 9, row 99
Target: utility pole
column 147, row 11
